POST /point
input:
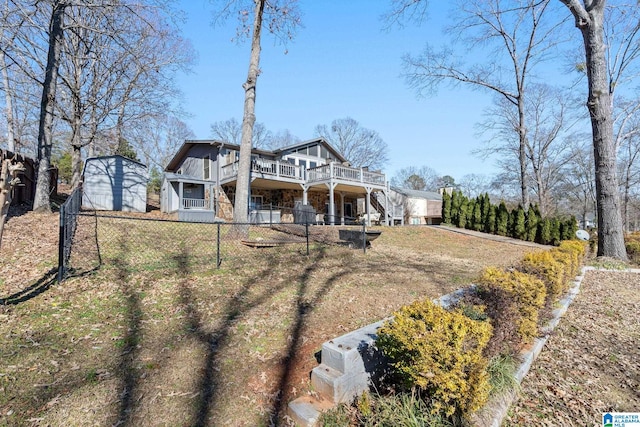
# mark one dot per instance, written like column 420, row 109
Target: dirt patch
column 590, row 363
column 204, row 346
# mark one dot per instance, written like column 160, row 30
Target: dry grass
column 203, row 346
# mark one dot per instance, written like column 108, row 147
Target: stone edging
column 494, row 412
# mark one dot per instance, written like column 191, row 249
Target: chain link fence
column 139, row 243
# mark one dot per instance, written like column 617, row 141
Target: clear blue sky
column 342, row 63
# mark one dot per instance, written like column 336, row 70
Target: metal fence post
column 61, row 243
column 364, row 236
column 306, row 225
column 218, row 259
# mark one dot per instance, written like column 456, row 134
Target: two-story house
column 200, row 182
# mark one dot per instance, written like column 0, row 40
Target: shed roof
column 418, row 194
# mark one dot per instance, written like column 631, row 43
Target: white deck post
column 180, row 195
column 341, row 208
column 367, row 207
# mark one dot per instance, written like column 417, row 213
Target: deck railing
column 317, row 174
column 266, row 167
column 344, row 173
column 194, row 203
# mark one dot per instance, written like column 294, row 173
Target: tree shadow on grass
column 239, row 304
column 129, row 352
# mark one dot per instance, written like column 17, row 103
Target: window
column 313, row 150
column 206, row 174
column 312, row 165
column 415, row 221
column 303, row 164
column 255, row 203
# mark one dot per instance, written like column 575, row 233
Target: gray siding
column 114, row 183
column 192, row 165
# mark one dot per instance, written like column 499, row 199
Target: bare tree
column 627, row 137
column 422, row 178
column 472, row 185
column 283, row 138
column 359, row 145
column 47, row 106
column 578, row 178
column 231, row 131
column 589, row 19
column 521, row 37
column 282, row 18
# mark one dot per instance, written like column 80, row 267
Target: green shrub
column 533, row 217
column 502, row 220
column 519, row 224
column 544, row 231
column 439, row 354
column 446, row 207
column 525, row 291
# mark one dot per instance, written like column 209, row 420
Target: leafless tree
column 578, row 178
column 283, row 138
column 515, row 36
column 231, row 131
column 473, row 185
column 281, row 18
column 627, row 137
column 158, row 138
column 359, row 145
column 413, row 178
column 605, row 70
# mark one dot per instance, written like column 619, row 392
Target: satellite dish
column 583, row 235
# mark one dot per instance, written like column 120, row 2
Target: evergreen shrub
column 438, row 353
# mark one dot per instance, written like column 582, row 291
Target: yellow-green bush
column 576, row 250
column 523, row 290
column 632, row 244
column 545, row 267
column 439, row 353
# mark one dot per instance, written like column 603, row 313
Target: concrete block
column 336, row 386
column 306, row 410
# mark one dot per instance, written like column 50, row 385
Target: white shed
column 114, row 183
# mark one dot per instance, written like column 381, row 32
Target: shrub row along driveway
column 590, row 363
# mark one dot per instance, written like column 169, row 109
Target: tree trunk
column 8, row 180
column 243, row 184
column 41, row 201
column 610, row 230
column 522, row 155
column 11, row 136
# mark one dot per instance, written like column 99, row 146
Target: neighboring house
column 114, row 183
column 200, row 182
column 420, row 207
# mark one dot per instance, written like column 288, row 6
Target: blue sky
column 342, row 63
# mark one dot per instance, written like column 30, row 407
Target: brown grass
column 205, row 346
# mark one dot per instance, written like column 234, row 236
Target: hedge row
column 480, row 215
column 443, row 354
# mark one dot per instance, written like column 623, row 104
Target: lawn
column 188, row 344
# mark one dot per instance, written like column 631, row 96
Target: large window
column 206, row 172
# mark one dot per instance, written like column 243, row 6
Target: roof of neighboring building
column 186, row 146
column 418, row 194
column 90, row 159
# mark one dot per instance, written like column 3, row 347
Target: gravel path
column 590, row 364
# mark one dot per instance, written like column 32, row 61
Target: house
column 420, row 207
column 200, row 183
column 114, row 183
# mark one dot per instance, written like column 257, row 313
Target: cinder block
column 336, row 386
column 306, row 410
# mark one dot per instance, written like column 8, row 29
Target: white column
column 180, row 194
column 341, row 208
column 367, row 207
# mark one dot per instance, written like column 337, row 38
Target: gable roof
column 418, row 194
column 319, row 140
column 189, row 143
